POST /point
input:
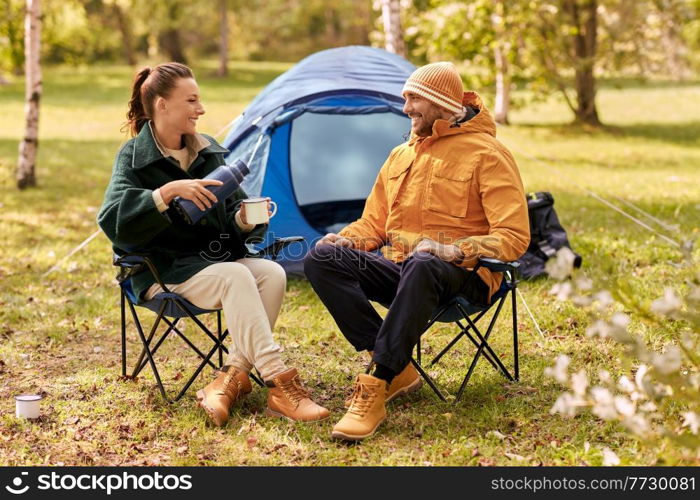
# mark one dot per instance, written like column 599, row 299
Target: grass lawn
column 59, row 333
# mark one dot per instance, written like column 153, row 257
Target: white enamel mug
column 256, row 210
column 27, row 405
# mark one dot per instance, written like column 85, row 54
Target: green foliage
column 11, row 34
column 640, row 38
column 660, row 401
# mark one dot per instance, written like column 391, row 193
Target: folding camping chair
column 459, row 310
column 170, row 308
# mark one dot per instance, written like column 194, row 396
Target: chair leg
column 138, row 366
column 454, row 341
column 515, row 333
column 221, row 339
column 123, row 323
column 141, row 364
column 484, row 339
column 148, row 350
column 257, row 378
column 428, row 379
column 464, row 332
column 196, row 373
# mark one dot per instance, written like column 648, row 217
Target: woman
column 205, row 262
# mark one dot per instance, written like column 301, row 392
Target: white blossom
column 604, row 377
column 642, row 385
column 579, row 382
column 669, row 361
column 584, row 284
column 567, row 405
column 618, row 326
column 561, row 267
column 637, row 424
column 559, row 370
column 604, row 406
column 626, row 385
column 598, row 329
column 610, row 457
column 667, row 304
column 562, row 290
column 692, row 421
column 604, row 299
column 648, row 407
column 624, row 406
column 615, row 328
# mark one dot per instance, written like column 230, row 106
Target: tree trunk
column 393, row 34
column 585, row 46
column 502, row 86
column 28, row 147
column 127, row 35
column 169, row 41
column 223, row 39
column 502, row 75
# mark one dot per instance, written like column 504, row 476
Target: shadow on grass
column 683, row 134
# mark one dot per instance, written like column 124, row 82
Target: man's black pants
column 346, row 280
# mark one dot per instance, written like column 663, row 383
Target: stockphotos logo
column 17, row 488
column 103, row 482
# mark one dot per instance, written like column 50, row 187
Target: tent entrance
column 334, row 160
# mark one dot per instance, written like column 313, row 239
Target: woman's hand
column 191, row 189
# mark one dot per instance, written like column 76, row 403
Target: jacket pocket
column 397, row 174
column 448, row 191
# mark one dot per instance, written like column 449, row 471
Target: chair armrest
column 274, row 248
column 133, row 263
column 498, row 265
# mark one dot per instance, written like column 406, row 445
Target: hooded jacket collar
column 147, row 151
column 483, row 122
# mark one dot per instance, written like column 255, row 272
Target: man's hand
column 448, row 253
column 335, row 239
column 191, row 189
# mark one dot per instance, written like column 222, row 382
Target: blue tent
column 316, row 137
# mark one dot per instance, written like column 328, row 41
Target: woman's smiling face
column 182, row 108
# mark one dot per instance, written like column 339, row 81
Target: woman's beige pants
column 250, row 292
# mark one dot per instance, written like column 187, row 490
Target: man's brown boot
column 218, row 396
column 406, row 382
column 289, row 399
column 366, row 410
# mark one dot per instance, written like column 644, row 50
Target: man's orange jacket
column 458, row 186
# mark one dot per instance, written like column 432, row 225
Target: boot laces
column 362, row 398
column 232, row 386
column 294, row 390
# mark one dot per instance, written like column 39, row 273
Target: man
column 448, row 196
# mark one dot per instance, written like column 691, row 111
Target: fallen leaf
column 252, row 441
column 496, row 434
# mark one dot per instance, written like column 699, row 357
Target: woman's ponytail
column 136, row 115
column 150, row 83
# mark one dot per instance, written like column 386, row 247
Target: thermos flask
column 230, row 175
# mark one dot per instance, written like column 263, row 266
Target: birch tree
column 28, row 147
column 393, row 34
column 223, row 38
column 500, row 48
